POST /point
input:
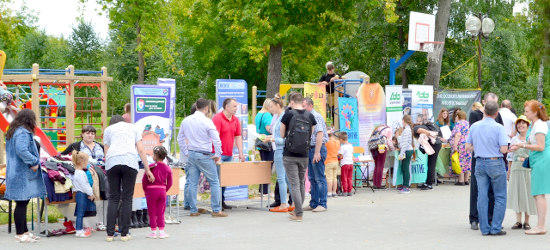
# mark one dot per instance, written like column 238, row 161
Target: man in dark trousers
column 475, row 116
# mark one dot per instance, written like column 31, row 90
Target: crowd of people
column 493, row 145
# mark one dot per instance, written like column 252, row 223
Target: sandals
column 25, row 238
column 526, row 226
column 517, row 225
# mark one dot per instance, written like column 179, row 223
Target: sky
column 58, row 17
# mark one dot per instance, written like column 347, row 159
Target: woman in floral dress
column 458, row 144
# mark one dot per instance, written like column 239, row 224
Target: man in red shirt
column 229, row 127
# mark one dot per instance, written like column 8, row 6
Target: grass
column 53, row 213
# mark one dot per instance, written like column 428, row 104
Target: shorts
column 331, row 171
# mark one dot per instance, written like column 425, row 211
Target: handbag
column 526, row 163
column 261, row 145
column 377, row 139
column 456, row 163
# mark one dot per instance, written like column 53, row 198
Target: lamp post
column 479, row 26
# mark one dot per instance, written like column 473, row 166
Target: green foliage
column 85, row 47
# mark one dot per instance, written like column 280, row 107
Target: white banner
column 422, row 103
column 394, row 106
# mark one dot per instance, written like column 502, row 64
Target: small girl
column 406, row 153
column 346, row 152
column 155, row 192
column 84, row 192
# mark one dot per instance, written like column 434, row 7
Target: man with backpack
column 296, row 127
column 316, row 166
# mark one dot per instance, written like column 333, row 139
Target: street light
column 479, row 26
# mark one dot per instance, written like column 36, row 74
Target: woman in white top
column 406, row 152
column 122, row 148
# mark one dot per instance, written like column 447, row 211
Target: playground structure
column 53, row 99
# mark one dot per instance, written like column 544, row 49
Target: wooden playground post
column 35, row 90
column 103, row 91
column 254, row 103
column 69, row 107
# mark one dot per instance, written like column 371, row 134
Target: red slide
column 45, row 142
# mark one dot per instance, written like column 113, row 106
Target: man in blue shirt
column 489, row 141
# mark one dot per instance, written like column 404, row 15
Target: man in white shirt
column 508, row 118
column 196, row 137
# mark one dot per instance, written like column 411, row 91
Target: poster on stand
column 238, row 90
column 422, row 103
column 451, row 99
column 394, row 106
column 151, row 106
column 371, row 106
column 349, row 120
column 407, row 101
column 318, row 93
column 170, row 83
column 418, row 169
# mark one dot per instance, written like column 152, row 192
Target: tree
column 152, row 22
column 272, row 26
column 85, row 47
column 441, row 22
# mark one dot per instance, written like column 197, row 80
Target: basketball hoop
column 434, row 50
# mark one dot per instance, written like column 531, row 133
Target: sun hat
column 523, row 118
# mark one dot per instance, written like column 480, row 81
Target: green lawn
column 53, row 214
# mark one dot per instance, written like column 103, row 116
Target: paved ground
column 435, row 219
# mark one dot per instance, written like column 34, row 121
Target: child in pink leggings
column 155, row 192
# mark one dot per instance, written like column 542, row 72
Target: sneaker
column 126, row 238
column 399, row 188
column 426, row 187
column 296, row 218
column 109, row 238
column 340, row 194
column 307, row 208
column 83, row 234
column 350, row 194
column 334, row 195
column 319, row 209
column 163, row 235
column 404, row 191
column 152, row 235
column 219, row 214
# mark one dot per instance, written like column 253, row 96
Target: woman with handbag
column 380, row 141
column 458, row 142
column 263, row 126
column 519, row 186
column 538, row 142
column 277, row 108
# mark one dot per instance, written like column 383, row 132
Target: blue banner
column 170, row 83
column 238, row 90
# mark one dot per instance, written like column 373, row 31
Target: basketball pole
column 394, row 65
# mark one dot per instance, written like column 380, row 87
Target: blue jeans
column 316, row 175
column 203, row 163
column 281, row 174
column 224, row 158
column 491, row 172
column 83, row 204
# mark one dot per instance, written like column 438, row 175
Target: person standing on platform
column 538, row 143
column 196, row 137
column 316, row 166
column 489, row 141
column 229, row 129
column 297, row 126
column 328, row 80
column 475, row 116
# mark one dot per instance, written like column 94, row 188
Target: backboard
column 421, row 32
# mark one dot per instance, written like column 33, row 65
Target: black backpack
column 299, row 133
